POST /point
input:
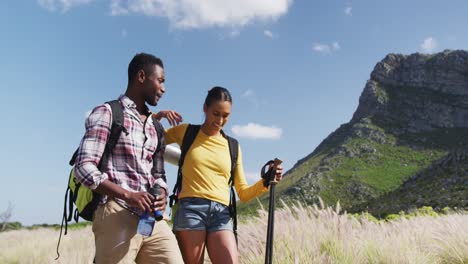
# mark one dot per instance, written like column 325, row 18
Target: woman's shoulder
column 179, row 128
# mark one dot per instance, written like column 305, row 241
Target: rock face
column 412, row 113
column 417, row 93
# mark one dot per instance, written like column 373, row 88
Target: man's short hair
column 142, row 61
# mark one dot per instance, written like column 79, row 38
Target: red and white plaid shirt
column 130, row 163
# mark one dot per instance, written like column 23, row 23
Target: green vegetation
column 13, row 226
column 382, row 95
column 381, row 171
column 18, row 226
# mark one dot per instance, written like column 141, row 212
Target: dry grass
column 321, row 235
column 302, row 235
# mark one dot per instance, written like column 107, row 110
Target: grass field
column 302, row 235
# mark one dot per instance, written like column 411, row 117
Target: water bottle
column 147, row 220
column 156, row 190
column 146, row 224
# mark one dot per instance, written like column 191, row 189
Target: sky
column 295, row 68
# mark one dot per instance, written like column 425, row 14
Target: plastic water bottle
column 147, row 220
column 146, row 224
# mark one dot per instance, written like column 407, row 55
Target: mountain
column 402, row 144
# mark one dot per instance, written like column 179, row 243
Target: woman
column 202, row 218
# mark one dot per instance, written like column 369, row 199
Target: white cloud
column 256, row 131
column 63, row 5
column 268, row 34
column 325, row 48
column 429, row 45
column 117, row 9
column 348, row 11
column 321, row 48
column 210, row 13
column 188, row 14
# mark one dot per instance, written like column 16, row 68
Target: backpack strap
column 161, row 145
column 189, row 136
column 234, row 152
column 116, row 129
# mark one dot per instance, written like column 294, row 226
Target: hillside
column 411, row 119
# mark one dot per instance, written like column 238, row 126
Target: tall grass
column 302, row 235
column 322, row 235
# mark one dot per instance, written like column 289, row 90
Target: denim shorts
column 201, row 215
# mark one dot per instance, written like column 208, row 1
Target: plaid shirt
column 130, row 163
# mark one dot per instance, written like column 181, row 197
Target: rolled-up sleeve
column 92, row 147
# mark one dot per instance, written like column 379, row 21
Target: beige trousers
column 117, row 241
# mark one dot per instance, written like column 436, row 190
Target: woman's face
column 216, row 115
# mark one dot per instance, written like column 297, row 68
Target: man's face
column 153, row 85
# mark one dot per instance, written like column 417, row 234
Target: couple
column 202, row 218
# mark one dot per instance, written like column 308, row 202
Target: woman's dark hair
column 216, row 94
column 142, row 61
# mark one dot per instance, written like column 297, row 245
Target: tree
column 6, row 216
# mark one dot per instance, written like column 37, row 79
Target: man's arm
column 92, row 147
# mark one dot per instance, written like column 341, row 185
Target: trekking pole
column 271, row 177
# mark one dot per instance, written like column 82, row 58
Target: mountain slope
column 412, row 113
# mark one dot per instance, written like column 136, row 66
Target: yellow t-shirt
column 207, row 166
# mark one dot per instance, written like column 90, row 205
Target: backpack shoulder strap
column 116, row 129
column 189, row 136
column 234, row 153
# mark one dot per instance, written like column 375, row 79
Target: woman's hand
column 279, row 173
column 173, row 117
column 277, row 169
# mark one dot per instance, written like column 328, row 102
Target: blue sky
column 295, row 69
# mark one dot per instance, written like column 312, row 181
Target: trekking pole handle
column 276, row 163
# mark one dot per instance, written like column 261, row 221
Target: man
column 124, row 180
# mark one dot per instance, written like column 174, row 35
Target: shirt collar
column 128, row 103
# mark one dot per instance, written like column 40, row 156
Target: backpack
column 84, row 199
column 189, row 137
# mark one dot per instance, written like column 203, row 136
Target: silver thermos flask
column 172, row 155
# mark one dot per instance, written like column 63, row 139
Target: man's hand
column 160, row 201
column 173, row 117
column 140, row 200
